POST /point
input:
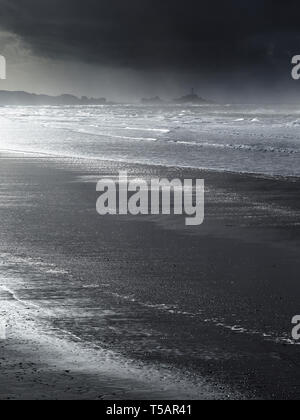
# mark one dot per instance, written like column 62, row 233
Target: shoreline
column 37, row 363
column 34, row 184
column 258, row 175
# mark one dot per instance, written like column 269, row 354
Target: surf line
column 15, row 297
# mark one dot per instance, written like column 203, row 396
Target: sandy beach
column 145, row 307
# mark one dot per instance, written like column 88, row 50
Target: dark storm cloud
column 159, row 34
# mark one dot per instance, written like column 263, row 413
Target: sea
column 235, row 138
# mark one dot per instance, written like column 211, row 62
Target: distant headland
column 192, row 98
column 24, row 98
column 32, row 99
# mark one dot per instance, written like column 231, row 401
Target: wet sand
column 38, row 365
column 185, row 312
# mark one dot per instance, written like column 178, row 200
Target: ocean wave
column 113, row 136
column 14, row 296
column 131, row 138
column 245, row 147
column 267, row 336
column 220, row 323
column 158, row 130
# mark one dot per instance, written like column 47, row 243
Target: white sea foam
column 245, row 147
column 158, row 130
column 63, row 350
column 242, row 138
column 219, row 323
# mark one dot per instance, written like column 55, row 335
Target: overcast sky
column 124, row 49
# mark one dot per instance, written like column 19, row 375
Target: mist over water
column 237, row 138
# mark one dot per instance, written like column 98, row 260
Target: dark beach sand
column 137, row 308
